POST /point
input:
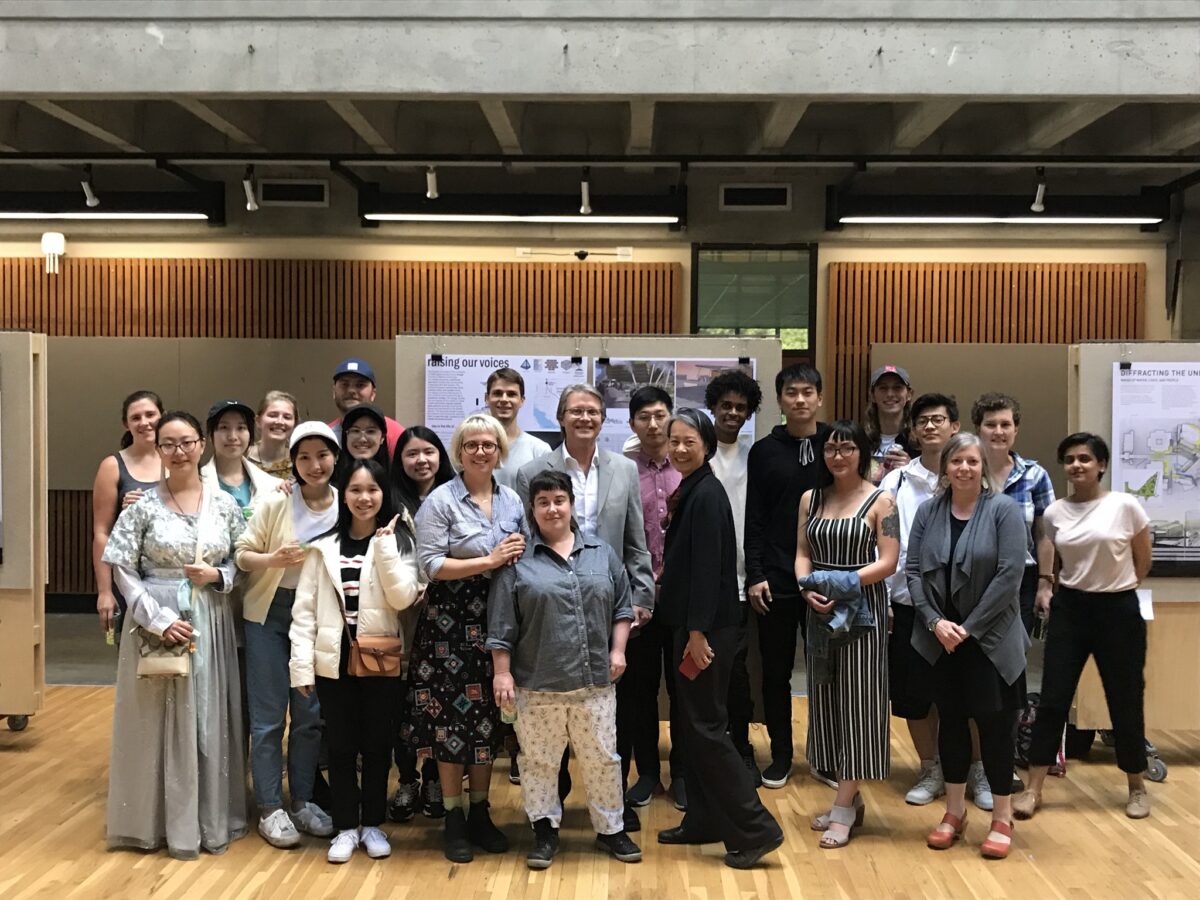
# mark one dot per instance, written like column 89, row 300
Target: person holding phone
column 558, row 622
column 698, row 601
column 353, row 584
column 886, row 421
column 271, row 551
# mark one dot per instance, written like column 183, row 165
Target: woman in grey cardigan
column 966, row 556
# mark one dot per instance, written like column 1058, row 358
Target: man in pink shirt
column 648, row 652
column 354, row 383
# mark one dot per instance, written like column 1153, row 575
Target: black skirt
column 967, row 684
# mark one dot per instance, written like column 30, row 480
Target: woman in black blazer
column 698, row 600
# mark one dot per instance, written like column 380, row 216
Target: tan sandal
column 821, row 822
column 1024, row 806
column 841, row 815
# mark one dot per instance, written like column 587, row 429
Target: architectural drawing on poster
column 1156, row 455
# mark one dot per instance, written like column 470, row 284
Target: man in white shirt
column 505, row 395
column 934, row 422
column 733, row 397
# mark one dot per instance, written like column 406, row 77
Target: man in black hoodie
column 781, row 467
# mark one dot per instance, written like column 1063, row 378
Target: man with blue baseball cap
column 354, row 383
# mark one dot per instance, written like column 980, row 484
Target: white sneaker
column 929, row 786
column 376, row 843
column 978, row 787
column 278, row 831
column 341, row 848
column 313, row 820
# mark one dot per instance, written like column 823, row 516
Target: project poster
column 684, row 379
column 1156, row 455
column 455, row 387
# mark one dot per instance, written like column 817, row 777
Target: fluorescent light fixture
column 431, row 187
column 999, row 220
column 497, row 217
column 1147, row 208
column 107, row 215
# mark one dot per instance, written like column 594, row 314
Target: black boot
column 481, row 830
column 458, row 846
column 620, row 846
column 545, row 845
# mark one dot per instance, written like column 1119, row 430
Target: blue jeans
column 268, row 652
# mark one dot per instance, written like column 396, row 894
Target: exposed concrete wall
column 542, row 49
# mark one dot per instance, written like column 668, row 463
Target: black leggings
column 1110, row 628
column 995, row 748
column 359, row 722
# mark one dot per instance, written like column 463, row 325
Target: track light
column 585, row 194
column 89, row 195
column 1039, row 198
column 248, row 189
column 431, row 190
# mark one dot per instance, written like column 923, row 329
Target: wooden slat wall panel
column 334, row 299
column 1062, row 303
column 314, row 299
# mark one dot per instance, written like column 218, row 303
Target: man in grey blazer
column 608, row 504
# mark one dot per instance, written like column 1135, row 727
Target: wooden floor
column 53, row 779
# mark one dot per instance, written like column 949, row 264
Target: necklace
column 179, row 506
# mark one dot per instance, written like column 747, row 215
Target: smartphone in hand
column 688, row 667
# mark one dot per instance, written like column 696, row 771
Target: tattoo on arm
column 890, row 526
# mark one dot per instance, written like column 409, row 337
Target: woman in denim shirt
column 565, row 589
column 466, row 528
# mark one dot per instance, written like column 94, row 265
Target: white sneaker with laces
column 278, row 831
column 978, row 788
column 342, row 847
column 929, row 786
column 313, row 820
column 376, row 843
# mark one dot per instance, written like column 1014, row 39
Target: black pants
column 777, row 630
column 741, row 704
column 1109, row 627
column 359, row 718
column 722, row 801
column 647, row 655
column 995, row 748
column 1029, row 587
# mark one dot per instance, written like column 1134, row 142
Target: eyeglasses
column 584, row 413
column 169, row 448
column 846, row 450
column 647, row 418
column 373, row 434
column 935, row 421
column 476, row 446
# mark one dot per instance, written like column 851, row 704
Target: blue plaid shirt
column 1029, row 485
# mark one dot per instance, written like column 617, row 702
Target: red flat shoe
column 993, row 850
column 942, row 840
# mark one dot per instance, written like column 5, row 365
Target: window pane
column 753, row 289
column 794, row 338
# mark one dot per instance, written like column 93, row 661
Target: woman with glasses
column 364, row 429
column 466, row 529
column 176, row 777
column 847, row 543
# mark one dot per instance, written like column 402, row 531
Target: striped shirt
column 350, row 561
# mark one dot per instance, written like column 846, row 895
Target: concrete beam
column 1051, row 128
column 89, row 124
column 901, row 51
column 205, row 113
column 777, row 126
column 640, row 139
column 353, row 117
column 918, row 124
column 1175, row 131
column 505, row 122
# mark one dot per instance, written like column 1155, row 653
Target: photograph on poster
column 456, row 386
column 1156, row 455
column 684, row 379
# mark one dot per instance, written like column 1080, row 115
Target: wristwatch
column 933, row 624
column 1042, row 576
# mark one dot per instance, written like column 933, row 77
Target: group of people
column 538, row 597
